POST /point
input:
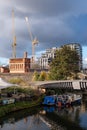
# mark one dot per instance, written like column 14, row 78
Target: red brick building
column 4, row 69
column 19, row 65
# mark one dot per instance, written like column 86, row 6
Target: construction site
column 17, row 64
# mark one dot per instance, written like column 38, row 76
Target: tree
column 64, row 64
column 35, row 76
column 42, row 76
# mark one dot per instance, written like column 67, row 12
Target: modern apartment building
column 47, row 57
column 50, row 54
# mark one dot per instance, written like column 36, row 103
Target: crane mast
column 14, row 36
column 33, row 40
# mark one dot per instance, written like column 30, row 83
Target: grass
column 18, row 106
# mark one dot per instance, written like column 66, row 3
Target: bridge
column 62, row 84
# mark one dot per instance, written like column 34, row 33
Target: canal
column 47, row 118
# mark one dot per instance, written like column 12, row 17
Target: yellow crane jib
column 33, row 40
column 14, row 36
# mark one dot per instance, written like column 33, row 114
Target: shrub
column 16, row 80
column 50, row 92
column 42, row 76
column 35, row 76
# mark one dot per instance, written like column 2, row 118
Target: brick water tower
column 19, row 65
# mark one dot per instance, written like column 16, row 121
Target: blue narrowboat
column 49, row 100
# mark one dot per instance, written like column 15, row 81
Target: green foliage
column 19, row 106
column 20, row 90
column 35, row 76
column 9, row 90
column 42, row 76
column 50, row 92
column 48, row 76
column 64, row 64
column 16, row 80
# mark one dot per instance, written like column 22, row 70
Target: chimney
column 25, row 54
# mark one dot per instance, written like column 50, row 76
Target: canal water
column 47, row 118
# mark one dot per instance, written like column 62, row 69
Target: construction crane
column 33, row 40
column 14, row 36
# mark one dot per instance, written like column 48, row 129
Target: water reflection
column 71, row 113
column 49, row 109
column 23, row 120
column 75, row 115
column 33, row 119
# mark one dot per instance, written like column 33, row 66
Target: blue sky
column 85, row 56
column 53, row 22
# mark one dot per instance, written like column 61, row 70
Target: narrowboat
column 68, row 100
column 76, row 99
column 49, row 100
column 65, row 100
